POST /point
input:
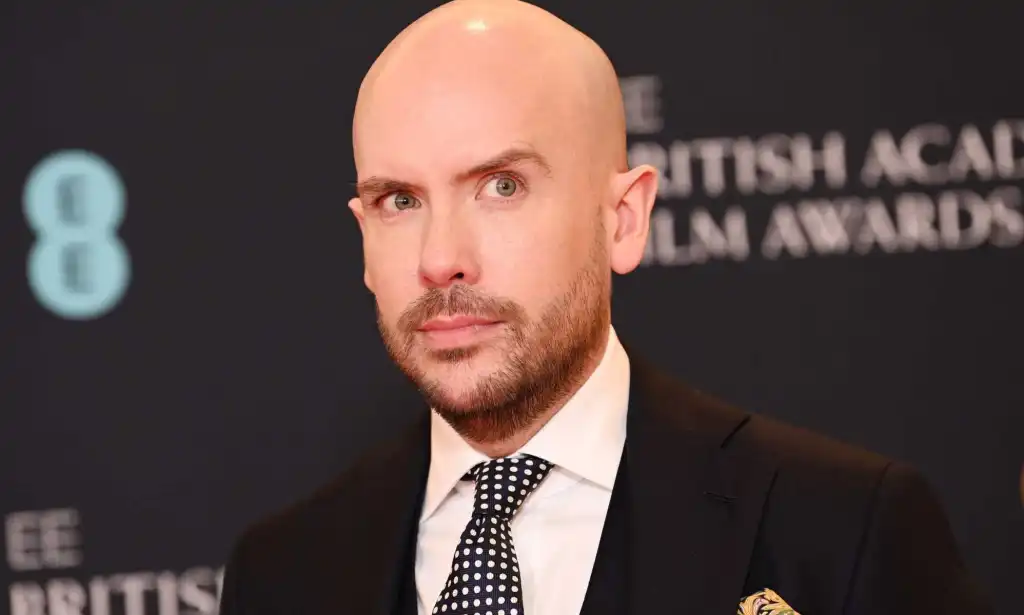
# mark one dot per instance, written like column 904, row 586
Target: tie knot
column 503, row 484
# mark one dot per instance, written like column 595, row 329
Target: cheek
column 391, row 268
column 530, row 258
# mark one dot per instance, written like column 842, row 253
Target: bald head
column 533, row 58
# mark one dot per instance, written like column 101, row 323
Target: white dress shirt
column 557, row 530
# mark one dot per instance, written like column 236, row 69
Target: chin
column 458, row 383
column 452, row 395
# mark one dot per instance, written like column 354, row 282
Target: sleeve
column 909, row 561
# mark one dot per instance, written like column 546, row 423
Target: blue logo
column 78, row 267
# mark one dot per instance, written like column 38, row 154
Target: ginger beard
column 544, row 360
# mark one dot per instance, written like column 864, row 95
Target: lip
column 455, row 322
column 449, row 333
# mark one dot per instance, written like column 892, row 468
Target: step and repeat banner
column 188, row 345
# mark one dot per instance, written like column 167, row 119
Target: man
column 555, row 472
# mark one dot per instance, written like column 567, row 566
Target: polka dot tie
column 485, row 576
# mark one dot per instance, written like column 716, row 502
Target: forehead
column 448, row 116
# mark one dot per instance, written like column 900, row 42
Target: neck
column 507, row 446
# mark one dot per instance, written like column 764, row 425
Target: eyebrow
column 510, row 157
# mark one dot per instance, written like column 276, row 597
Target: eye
column 502, row 187
column 399, row 201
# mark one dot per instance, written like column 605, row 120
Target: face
column 485, row 242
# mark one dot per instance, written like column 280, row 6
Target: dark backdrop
column 189, row 346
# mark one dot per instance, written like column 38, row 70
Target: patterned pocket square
column 764, row 602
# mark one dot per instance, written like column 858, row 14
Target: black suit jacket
column 721, row 503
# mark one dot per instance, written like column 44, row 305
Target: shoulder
column 735, row 431
column 814, row 472
column 810, row 456
column 302, row 526
column 820, row 481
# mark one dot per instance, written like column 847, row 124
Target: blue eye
column 502, row 187
column 401, row 201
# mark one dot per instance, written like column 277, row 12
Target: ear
column 637, row 190
column 356, row 205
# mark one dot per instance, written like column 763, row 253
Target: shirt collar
column 584, row 438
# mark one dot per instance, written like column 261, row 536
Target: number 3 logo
column 78, row 267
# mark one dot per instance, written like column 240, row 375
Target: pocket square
column 764, row 602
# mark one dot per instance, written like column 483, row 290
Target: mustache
column 459, row 300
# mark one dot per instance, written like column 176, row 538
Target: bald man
column 552, row 471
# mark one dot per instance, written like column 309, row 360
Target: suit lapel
column 608, row 590
column 367, row 559
column 695, row 500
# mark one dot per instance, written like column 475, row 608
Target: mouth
column 457, row 331
column 455, row 322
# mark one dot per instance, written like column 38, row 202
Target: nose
column 448, row 255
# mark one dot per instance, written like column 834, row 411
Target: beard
column 545, row 360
